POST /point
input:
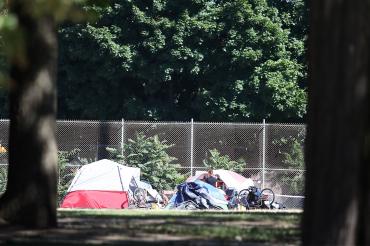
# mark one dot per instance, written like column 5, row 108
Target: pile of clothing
column 198, row 195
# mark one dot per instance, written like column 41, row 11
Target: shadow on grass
column 143, row 227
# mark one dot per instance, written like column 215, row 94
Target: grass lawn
column 163, row 227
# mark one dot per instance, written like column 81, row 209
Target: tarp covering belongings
column 197, row 195
column 229, row 178
column 104, row 184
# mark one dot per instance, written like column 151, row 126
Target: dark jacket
column 211, row 180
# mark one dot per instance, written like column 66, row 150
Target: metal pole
column 263, row 152
column 122, row 134
column 191, row 147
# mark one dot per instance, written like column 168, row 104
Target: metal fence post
column 122, row 134
column 263, row 152
column 191, row 146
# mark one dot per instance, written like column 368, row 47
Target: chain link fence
column 273, row 153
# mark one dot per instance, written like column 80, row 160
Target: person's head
column 210, row 172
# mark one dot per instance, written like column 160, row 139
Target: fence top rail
column 286, row 124
column 173, row 122
column 124, row 121
column 229, row 123
column 89, row 121
column 275, row 169
column 160, row 122
column 157, row 122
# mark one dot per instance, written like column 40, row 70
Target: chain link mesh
column 176, row 134
column 90, row 137
column 284, row 161
column 238, row 141
column 4, row 135
column 273, row 153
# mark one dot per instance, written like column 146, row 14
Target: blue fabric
column 213, row 191
column 202, row 194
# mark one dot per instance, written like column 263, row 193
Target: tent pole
column 120, row 178
column 122, row 135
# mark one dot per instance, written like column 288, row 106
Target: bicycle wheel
column 267, row 197
column 243, row 197
column 140, row 196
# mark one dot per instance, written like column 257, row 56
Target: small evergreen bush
column 218, row 161
column 150, row 155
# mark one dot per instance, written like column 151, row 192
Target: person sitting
column 210, row 178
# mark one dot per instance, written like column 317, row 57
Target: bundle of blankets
column 198, row 195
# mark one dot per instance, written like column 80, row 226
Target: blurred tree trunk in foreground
column 338, row 136
column 30, row 198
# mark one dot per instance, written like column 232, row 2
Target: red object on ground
column 95, row 199
column 219, row 184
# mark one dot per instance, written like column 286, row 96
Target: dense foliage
column 3, row 179
column 149, row 154
column 239, row 60
column 294, row 160
column 218, row 161
column 3, row 85
column 291, row 155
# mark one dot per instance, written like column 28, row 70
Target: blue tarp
column 200, row 194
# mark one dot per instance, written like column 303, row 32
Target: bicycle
column 254, row 197
column 139, row 198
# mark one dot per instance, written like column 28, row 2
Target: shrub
column 3, row 178
column 291, row 155
column 294, row 159
column 218, row 161
column 149, row 154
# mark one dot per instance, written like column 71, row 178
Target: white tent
column 104, row 175
column 101, row 184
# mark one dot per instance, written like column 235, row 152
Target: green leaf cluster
column 292, row 157
column 239, row 60
column 295, row 157
column 150, row 155
column 3, row 178
column 218, row 161
column 14, row 38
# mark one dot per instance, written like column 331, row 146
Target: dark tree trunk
column 337, row 190
column 103, row 140
column 30, row 198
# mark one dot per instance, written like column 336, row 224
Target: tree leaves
column 149, row 154
column 236, row 60
column 218, row 161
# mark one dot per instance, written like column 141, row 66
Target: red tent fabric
column 96, row 199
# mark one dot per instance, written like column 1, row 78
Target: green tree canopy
column 239, row 60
